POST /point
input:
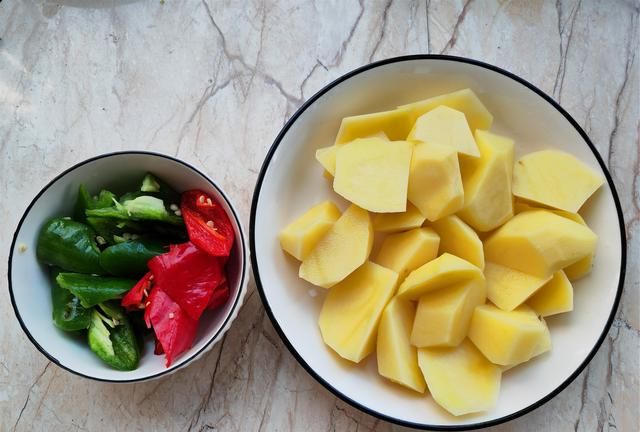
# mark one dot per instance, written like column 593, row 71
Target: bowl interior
column 293, row 182
column 29, row 280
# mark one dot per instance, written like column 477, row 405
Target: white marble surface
column 212, row 82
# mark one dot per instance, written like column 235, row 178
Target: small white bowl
column 291, row 181
column 29, row 284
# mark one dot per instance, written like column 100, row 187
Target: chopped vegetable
column 68, row 314
column 91, row 289
column 134, row 298
column 207, row 223
column 129, row 258
column 142, row 208
column 111, row 337
column 69, row 245
column 85, row 202
column 150, row 184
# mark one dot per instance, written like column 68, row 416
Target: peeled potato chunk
column 539, row 243
column 461, row 380
column 344, row 248
column 459, row 239
column 397, row 358
column 327, row 158
column 405, row 252
column 395, row 124
column 488, row 201
column 555, row 297
column 556, row 179
column 397, row 222
column 435, row 185
column 300, row 236
column 445, row 126
column 443, row 271
column 352, row 309
column 506, row 338
column 508, row 288
column 443, row 316
column 466, row 101
column 374, row 173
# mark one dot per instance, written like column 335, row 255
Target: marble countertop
column 212, row 82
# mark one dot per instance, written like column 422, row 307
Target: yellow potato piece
column 506, row 338
column 300, row 236
column 352, row 309
column 327, row 158
column 397, row 222
column 464, row 100
column 443, row 316
column 508, row 288
column 344, row 248
column 445, row 126
column 555, row 297
column 435, row 185
column 461, row 380
column 539, row 243
column 443, row 271
column 395, row 124
column 487, row 186
column 556, row 179
column 407, row 251
column 459, row 239
column 543, row 346
column 397, row 358
column 373, row 173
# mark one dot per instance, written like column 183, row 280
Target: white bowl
column 29, row 284
column 291, row 181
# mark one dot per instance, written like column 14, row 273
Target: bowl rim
column 298, row 357
column 227, row 320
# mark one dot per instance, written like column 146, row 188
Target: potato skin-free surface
column 300, row 236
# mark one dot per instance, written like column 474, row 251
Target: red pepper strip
column 207, row 223
column 133, row 299
column 188, row 275
column 174, row 329
column 219, row 297
column 157, row 350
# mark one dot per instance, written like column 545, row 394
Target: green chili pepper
column 129, row 258
column 142, row 208
column 68, row 314
column 155, row 186
column 110, row 228
column 85, row 201
column 112, row 338
column 92, row 290
column 69, row 245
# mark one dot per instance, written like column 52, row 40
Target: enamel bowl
column 29, row 284
column 291, row 181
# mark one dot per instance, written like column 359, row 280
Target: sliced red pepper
column 219, row 297
column 157, row 350
column 133, row 299
column 188, row 275
column 208, row 225
column 174, row 329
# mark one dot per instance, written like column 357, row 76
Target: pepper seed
column 171, row 315
column 101, row 240
column 173, row 207
column 126, row 236
column 22, row 248
column 201, row 199
column 209, row 201
column 210, row 224
column 147, row 304
column 178, row 212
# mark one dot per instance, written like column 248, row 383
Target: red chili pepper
column 188, row 275
column 219, row 297
column 207, row 223
column 133, row 299
column 174, row 329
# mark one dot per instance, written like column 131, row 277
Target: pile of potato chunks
column 475, row 249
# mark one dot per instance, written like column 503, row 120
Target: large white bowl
column 291, row 181
column 29, row 284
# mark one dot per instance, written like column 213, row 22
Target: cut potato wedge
column 539, row 243
column 487, row 185
column 397, row 358
column 443, row 316
column 344, row 248
column 466, row 101
column 443, row 271
column 508, row 288
column 507, row 338
column 555, row 179
column 461, row 380
column 395, row 124
column 374, row 173
column 398, row 222
column 352, row 309
column 555, row 297
column 327, row 158
column 435, row 185
column 459, row 239
column 300, row 236
column 446, row 126
column 405, row 252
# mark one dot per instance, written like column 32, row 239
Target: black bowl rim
column 195, row 355
column 303, row 363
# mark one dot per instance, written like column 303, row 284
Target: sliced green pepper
column 85, row 201
column 150, row 183
column 92, row 290
column 129, row 258
column 142, row 208
column 70, row 245
column 109, row 228
column 68, row 314
column 111, row 337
